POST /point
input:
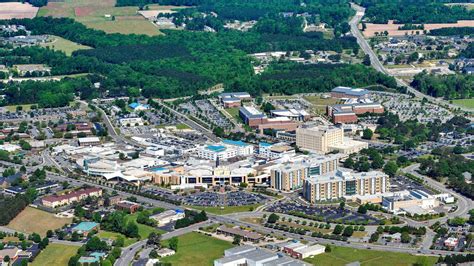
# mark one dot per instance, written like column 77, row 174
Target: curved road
column 374, row 60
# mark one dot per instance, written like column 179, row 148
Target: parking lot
column 233, row 198
column 325, row 214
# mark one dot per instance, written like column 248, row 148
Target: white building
column 225, row 150
column 275, row 151
column 168, row 216
column 131, row 121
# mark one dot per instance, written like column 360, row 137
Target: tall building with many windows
column 324, row 139
column 291, row 175
column 344, row 182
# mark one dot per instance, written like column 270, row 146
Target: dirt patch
column 17, row 10
column 393, row 30
column 83, row 11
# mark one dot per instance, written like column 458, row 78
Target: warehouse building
column 347, row 92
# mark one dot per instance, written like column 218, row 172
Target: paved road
column 232, row 219
column 193, row 124
column 129, row 252
column 464, row 204
column 360, row 12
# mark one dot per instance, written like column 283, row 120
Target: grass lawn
column 114, row 236
column 343, row 255
column 234, row 112
column 55, row 255
column 227, row 209
column 143, row 230
column 469, row 103
column 32, row 220
column 359, row 234
column 320, row 104
column 182, row 126
column 197, row 249
column 61, row 44
column 92, row 14
column 12, row 108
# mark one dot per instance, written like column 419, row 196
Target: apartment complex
column 344, row 182
column 324, row 139
column 291, row 175
column 54, row 201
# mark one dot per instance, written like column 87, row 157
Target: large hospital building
column 344, row 182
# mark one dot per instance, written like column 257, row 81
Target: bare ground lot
column 17, row 10
column 98, row 15
column 393, row 30
column 32, row 220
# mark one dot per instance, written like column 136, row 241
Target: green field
column 114, row 236
column 55, row 255
column 92, row 13
column 143, row 230
column 469, row 103
column 227, row 209
column 182, row 126
column 12, row 108
column 197, row 249
column 234, row 112
column 320, row 104
column 340, row 256
column 61, row 44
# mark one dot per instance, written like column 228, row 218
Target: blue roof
column 179, row 211
column 216, row 148
column 85, row 226
column 265, row 144
column 158, row 169
column 133, row 105
column 235, row 142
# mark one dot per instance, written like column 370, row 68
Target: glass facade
column 351, row 187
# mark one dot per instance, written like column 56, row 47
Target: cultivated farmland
column 17, row 10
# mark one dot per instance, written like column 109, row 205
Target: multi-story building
column 226, row 150
column 347, row 113
column 324, row 139
column 251, row 116
column 275, row 151
column 291, row 175
column 54, row 201
column 344, row 182
column 318, row 139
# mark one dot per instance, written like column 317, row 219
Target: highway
column 354, row 22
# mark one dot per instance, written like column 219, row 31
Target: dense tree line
column 457, row 86
column 468, row 52
column 177, row 64
column 452, row 31
column 161, row 2
column 11, row 207
column 191, row 217
column 291, row 78
column 418, row 11
column 451, row 166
